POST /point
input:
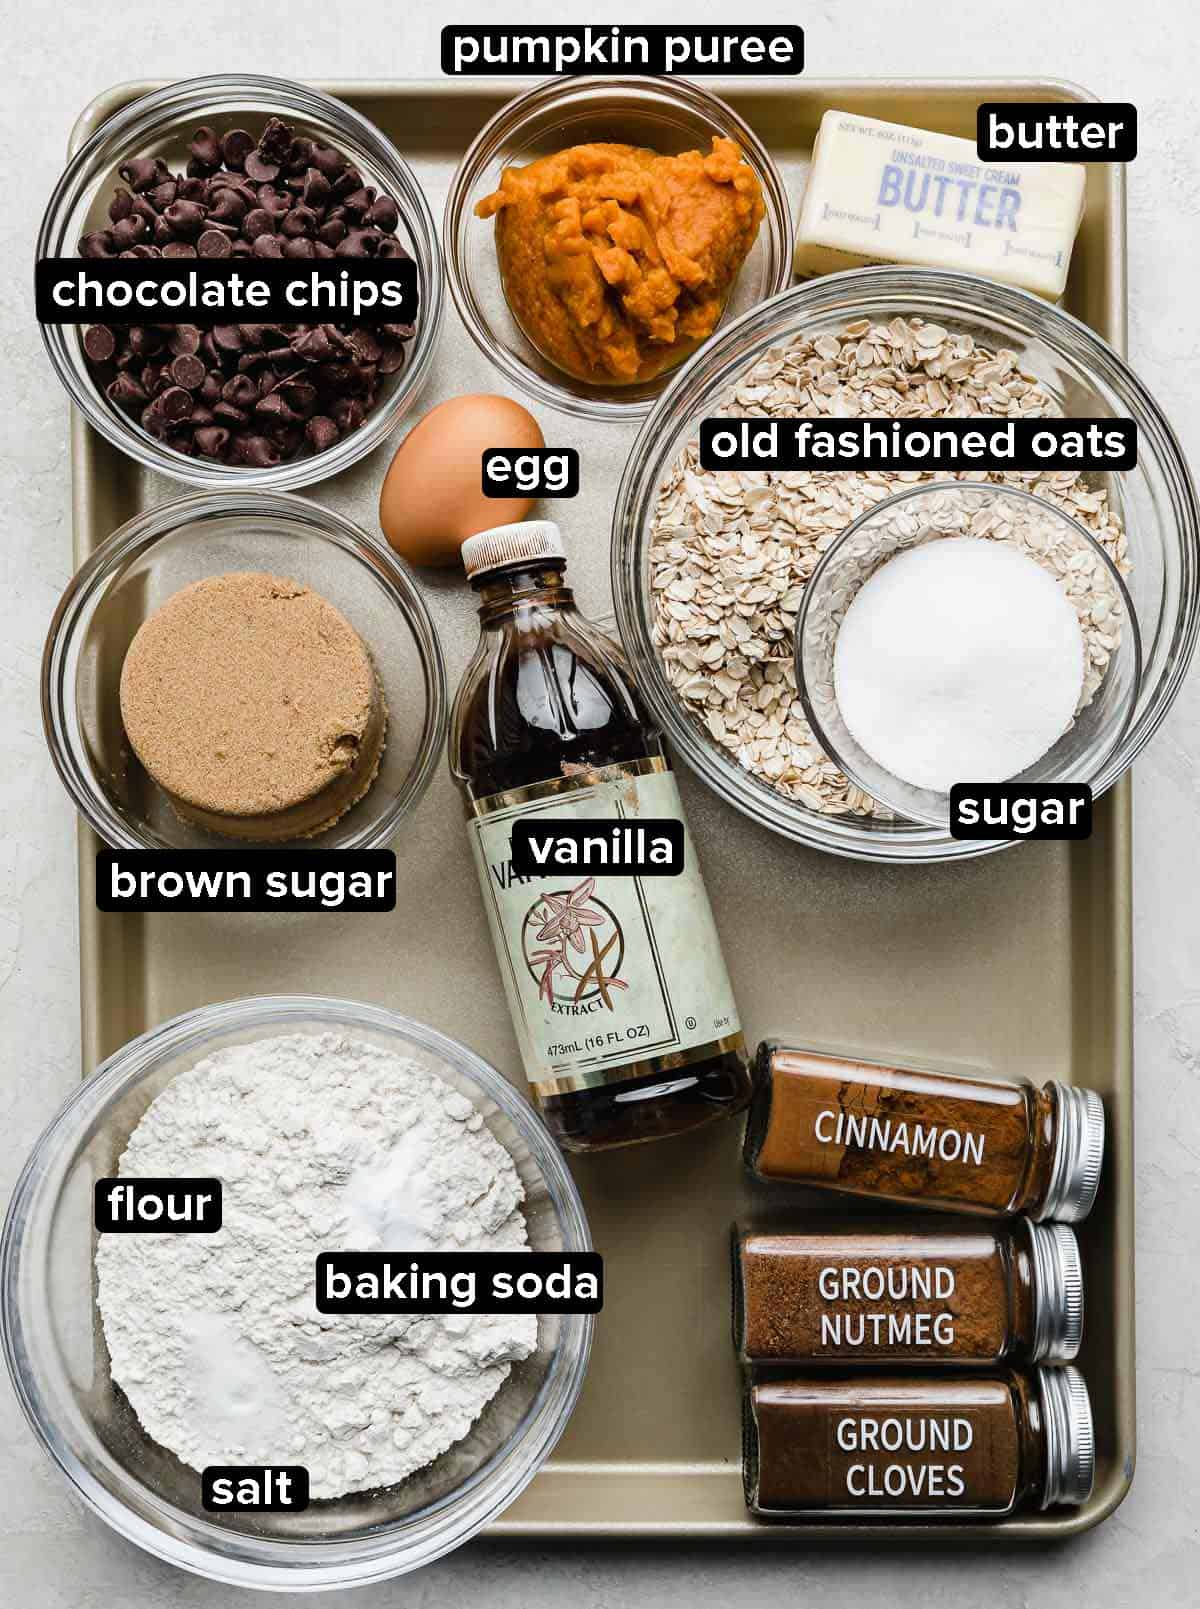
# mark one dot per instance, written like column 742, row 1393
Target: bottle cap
column 1078, row 1154
column 1057, row 1293
column 1070, row 1438
column 522, row 543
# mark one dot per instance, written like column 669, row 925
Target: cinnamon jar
column 936, row 1139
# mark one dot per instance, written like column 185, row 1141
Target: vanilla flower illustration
column 549, row 961
column 569, row 916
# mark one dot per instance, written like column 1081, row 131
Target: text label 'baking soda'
column 534, row 472
column 157, row 1206
column 602, row 848
column 459, row 1282
column 1020, row 810
column 246, row 880
column 179, row 290
column 788, row 445
column 1016, row 131
column 615, row 48
column 254, row 1488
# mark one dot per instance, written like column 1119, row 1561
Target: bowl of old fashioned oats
column 709, row 567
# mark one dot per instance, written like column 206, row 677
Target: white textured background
column 55, row 59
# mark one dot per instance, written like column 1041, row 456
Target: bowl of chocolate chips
column 250, row 168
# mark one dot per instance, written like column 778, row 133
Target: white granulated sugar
column 959, row 661
column 322, row 1143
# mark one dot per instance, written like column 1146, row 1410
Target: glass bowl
column 1156, row 501
column 668, row 115
column 931, row 513
column 173, row 544
column 161, row 124
column 55, row 1350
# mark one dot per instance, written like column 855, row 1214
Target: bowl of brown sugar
column 243, row 670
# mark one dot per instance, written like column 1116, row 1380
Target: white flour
column 321, row 1144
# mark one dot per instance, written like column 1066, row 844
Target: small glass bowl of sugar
column 966, row 632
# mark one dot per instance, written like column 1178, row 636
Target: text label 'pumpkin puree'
column 617, row 261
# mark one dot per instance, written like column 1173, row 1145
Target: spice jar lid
column 1078, row 1155
column 521, row 543
column 1070, row 1437
column 1057, row 1293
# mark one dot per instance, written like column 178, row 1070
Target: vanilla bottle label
column 602, row 972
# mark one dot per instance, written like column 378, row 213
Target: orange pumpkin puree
column 616, row 261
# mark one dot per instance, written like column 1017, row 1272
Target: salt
column 959, row 661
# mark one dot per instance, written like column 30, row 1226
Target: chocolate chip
column 241, row 390
column 121, row 204
column 163, row 194
column 140, row 173
column 145, row 339
column 184, row 339
column 125, row 392
column 176, row 402
column 236, row 147
column 321, row 432
column 333, row 231
column 227, row 411
column 360, row 243
column 186, row 218
column 179, row 248
column 267, row 246
column 188, row 371
column 226, row 206
column 206, row 147
column 315, row 347
column 192, row 189
column 315, row 191
column 385, row 215
column 258, row 168
column 99, row 243
column 328, row 161
column 129, row 231
column 389, row 246
column 258, row 222
column 227, row 337
column 299, row 221
column 99, row 343
column 301, row 248
column 255, row 451
column 275, row 141
column 213, row 243
column 212, row 440
column 299, row 396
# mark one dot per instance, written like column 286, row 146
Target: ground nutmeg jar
column 909, row 1293
column 937, row 1139
column 954, row 1446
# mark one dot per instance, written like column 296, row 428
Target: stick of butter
column 883, row 193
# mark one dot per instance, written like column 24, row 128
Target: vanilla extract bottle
column 615, row 981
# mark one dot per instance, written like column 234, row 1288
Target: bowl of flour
column 143, row 1359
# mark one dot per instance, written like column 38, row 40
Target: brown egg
column 432, row 497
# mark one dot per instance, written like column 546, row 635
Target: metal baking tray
column 1018, row 963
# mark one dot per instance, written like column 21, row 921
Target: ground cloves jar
column 953, row 1446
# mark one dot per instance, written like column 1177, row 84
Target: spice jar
column 938, row 1139
column 955, row 1446
column 858, row 1293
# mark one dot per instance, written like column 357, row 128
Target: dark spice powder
column 970, row 1144
column 861, row 1293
